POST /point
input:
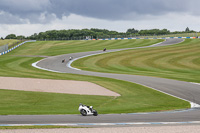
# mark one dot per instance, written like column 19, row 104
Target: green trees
column 187, row 30
column 20, row 37
column 154, row 32
column 11, row 36
column 130, row 31
column 94, row 33
column 74, row 34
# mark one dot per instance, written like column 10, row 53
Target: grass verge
column 180, row 62
column 51, row 48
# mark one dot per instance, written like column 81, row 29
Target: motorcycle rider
column 70, row 58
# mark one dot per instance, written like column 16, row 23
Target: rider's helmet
column 91, row 107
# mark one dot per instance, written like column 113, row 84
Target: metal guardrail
column 15, row 43
column 3, row 48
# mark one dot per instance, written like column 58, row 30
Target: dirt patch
column 54, row 86
column 147, row 129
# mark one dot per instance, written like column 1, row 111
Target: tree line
column 93, row 33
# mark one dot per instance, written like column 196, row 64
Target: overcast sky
column 26, row 17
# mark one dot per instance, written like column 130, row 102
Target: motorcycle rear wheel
column 83, row 112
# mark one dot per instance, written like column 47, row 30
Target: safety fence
column 7, row 51
column 113, row 38
column 145, row 38
column 15, row 43
column 3, row 48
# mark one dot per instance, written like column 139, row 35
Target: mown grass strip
column 7, row 41
column 180, row 62
column 51, row 48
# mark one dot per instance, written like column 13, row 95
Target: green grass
column 134, row 98
column 180, row 62
column 51, row 48
column 7, row 41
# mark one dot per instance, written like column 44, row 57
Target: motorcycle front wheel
column 95, row 113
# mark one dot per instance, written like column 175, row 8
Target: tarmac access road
column 181, row 89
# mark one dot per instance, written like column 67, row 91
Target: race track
column 184, row 90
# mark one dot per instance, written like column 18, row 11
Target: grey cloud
column 17, row 6
column 23, row 11
column 7, row 18
column 44, row 11
column 118, row 9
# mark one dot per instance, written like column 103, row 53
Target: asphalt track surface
column 184, row 90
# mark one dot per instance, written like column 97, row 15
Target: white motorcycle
column 87, row 110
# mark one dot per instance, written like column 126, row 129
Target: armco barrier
column 16, row 47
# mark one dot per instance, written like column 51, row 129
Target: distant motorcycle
column 87, row 110
column 70, row 58
column 104, row 49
